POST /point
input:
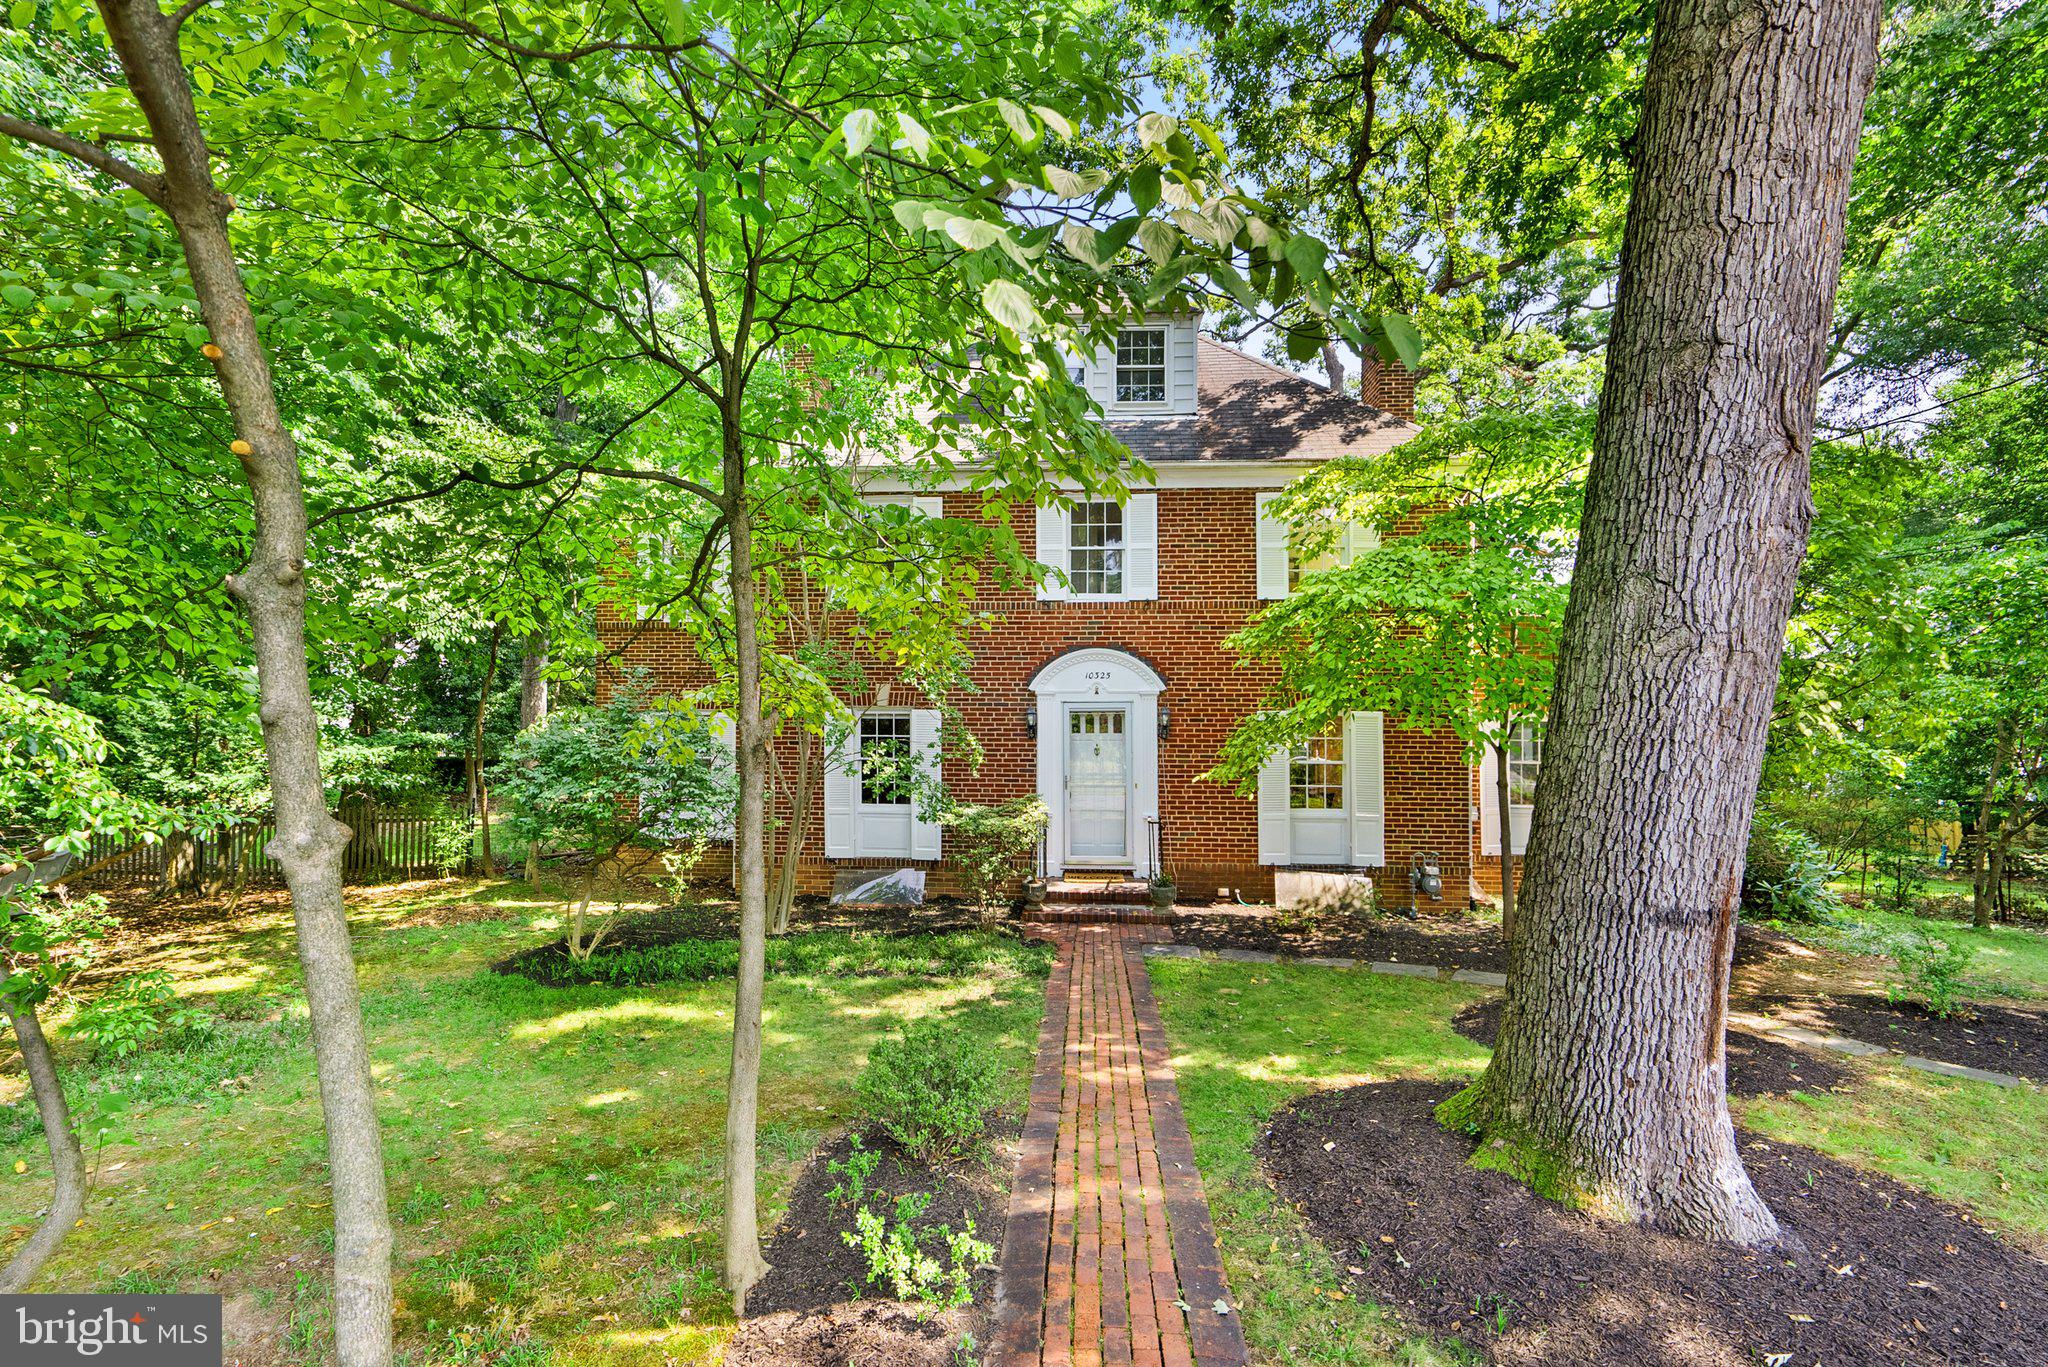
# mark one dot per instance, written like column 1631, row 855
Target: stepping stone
column 1935, row 1065
column 1406, row 970
column 1174, row 951
column 1327, row 961
column 1248, row 956
column 1481, row 977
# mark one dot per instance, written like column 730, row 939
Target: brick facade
column 1207, row 587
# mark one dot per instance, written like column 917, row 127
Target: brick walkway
column 1109, row 1255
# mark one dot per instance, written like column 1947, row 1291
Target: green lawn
column 2012, row 961
column 1248, row 1037
column 553, row 1152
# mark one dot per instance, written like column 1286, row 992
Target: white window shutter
column 1272, row 550
column 718, row 726
column 650, row 551
column 928, row 505
column 924, row 744
column 1358, row 539
column 1141, row 546
column 1052, row 550
column 1365, row 764
column 1489, row 802
column 842, row 791
column 1276, row 818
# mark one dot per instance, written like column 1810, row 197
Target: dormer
column 1150, row 369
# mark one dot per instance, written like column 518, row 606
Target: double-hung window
column 1141, row 365
column 885, row 760
column 1315, row 774
column 1095, row 550
column 1525, row 759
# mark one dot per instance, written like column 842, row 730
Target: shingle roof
column 1250, row 410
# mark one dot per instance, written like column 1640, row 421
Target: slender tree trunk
column 1609, row 1082
column 1507, row 841
column 67, row 1163
column 533, row 710
column 744, row 1263
column 481, row 793
column 804, row 799
column 272, row 592
column 1987, row 825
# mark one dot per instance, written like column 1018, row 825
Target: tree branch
column 150, row 187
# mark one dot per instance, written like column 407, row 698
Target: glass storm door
column 1098, row 786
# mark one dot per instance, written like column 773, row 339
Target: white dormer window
column 1141, row 365
column 1095, row 552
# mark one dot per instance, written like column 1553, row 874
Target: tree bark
column 181, row 863
column 271, row 590
column 1609, row 1082
column 1333, row 366
column 480, row 793
column 804, row 798
column 744, row 1263
column 67, row 1162
column 533, row 710
column 1988, row 824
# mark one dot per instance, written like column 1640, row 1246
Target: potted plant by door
column 1163, row 893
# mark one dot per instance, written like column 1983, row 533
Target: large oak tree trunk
column 1609, row 1082
column 744, row 1263
column 272, row 592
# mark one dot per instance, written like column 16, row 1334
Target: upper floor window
column 1315, row 774
column 885, row 760
column 1095, row 549
column 1525, row 759
column 1141, row 365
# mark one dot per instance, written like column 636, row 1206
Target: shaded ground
column 1444, row 939
column 812, row 1309
column 2006, row 1039
column 1757, row 1066
column 1889, row 1276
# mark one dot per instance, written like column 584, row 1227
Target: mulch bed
column 1441, row 939
column 1890, row 1275
column 1757, row 1065
column 2005, row 1039
column 805, row 1312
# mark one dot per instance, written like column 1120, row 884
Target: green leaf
column 1019, row 121
column 859, row 126
column 914, row 136
column 973, row 233
column 1154, row 129
column 1303, row 344
column 1305, row 253
column 1009, row 304
column 1054, row 120
column 1144, row 188
column 1158, row 239
column 18, row 296
column 910, row 213
column 1085, row 244
column 1398, row 340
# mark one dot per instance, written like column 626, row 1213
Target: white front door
column 1098, row 786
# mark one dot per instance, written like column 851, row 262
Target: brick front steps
column 1102, row 913
column 1070, row 891
column 1109, row 1256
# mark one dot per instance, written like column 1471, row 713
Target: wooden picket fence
column 404, row 849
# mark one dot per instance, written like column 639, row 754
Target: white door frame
column 1066, row 721
column 1099, row 678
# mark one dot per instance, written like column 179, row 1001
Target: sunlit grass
column 2011, row 960
column 1250, row 1037
column 1969, row 1142
column 553, row 1152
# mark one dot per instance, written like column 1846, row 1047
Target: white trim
column 1099, row 677
column 1165, row 474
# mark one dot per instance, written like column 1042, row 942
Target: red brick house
column 1109, row 693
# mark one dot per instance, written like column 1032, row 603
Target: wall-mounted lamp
column 1165, row 719
column 1031, row 721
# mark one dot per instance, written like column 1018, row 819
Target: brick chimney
column 1388, row 386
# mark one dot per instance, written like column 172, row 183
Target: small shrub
column 1786, row 875
column 894, row 1252
column 451, row 840
column 991, row 847
column 1929, row 970
column 929, row 1089
column 853, row 1172
column 138, row 1012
